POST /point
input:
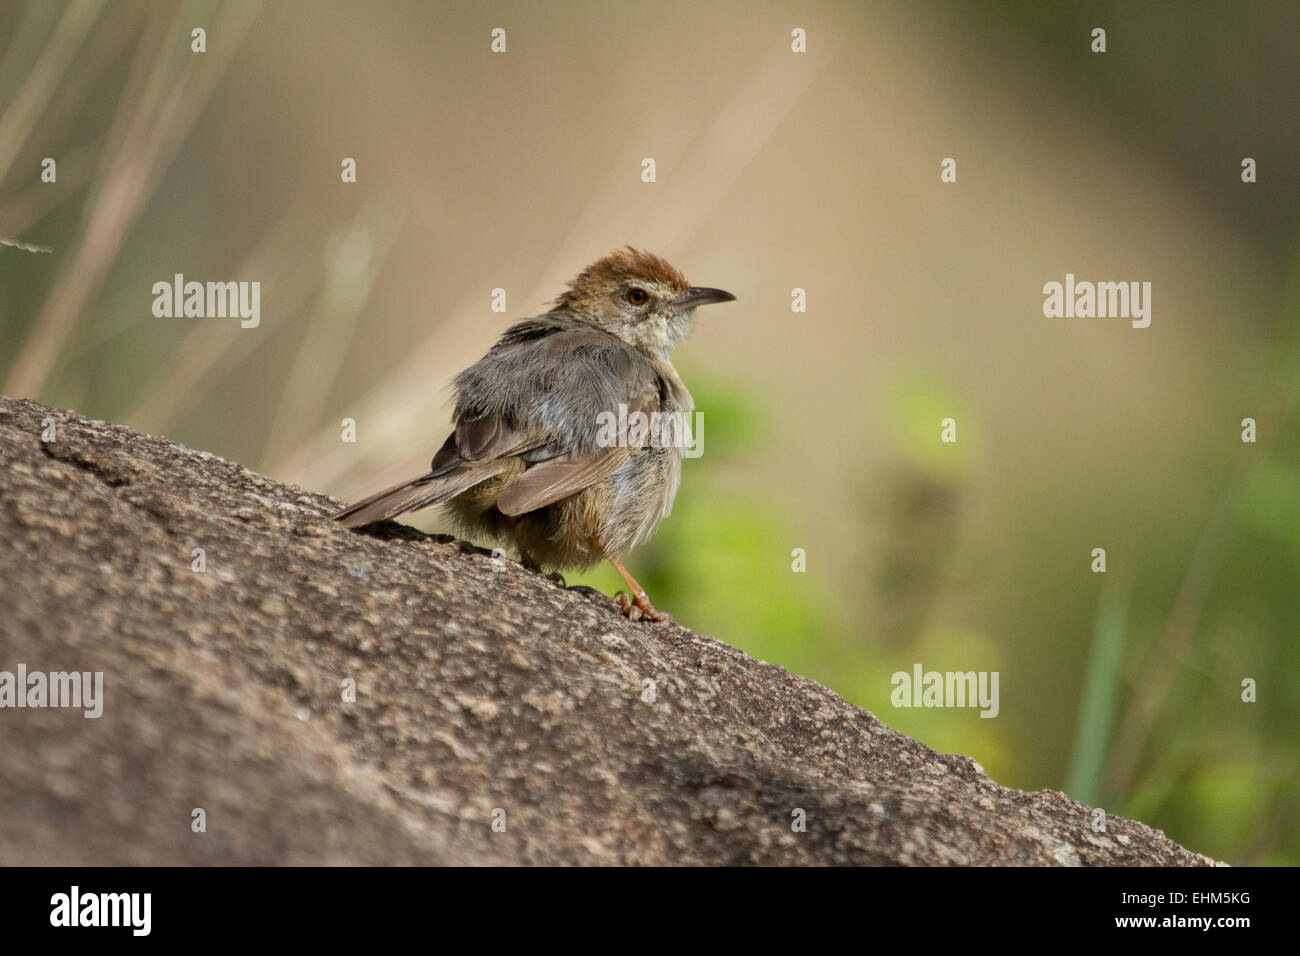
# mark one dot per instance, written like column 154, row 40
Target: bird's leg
column 639, row 601
column 637, row 606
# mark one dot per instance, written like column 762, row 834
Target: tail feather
column 437, row 486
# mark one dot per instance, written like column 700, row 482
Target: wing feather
column 549, row 481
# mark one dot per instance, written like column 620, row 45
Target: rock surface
column 481, row 689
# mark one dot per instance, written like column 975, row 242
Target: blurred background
column 775, row 171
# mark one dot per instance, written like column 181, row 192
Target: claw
column 630, row 610
column 640, row 607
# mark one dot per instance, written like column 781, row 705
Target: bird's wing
column 489, row 438
column 550, row 481
column 537, row 397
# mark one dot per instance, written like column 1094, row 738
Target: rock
column 483, row 692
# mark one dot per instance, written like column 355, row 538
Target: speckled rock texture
column 483, row 692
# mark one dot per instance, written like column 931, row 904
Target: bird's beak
column 699, row 296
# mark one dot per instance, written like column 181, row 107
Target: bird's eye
column 638, row 296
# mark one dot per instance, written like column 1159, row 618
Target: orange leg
column 639, row 601
column 638, row 606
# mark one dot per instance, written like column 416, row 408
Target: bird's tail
column 441, row 484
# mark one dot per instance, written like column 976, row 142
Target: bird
column 533, row 461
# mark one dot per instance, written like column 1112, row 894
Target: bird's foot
column 640, row 607
column 555, row 577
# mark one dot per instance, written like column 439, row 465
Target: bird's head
column 638, row 297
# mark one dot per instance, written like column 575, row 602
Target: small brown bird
column 531, row 462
